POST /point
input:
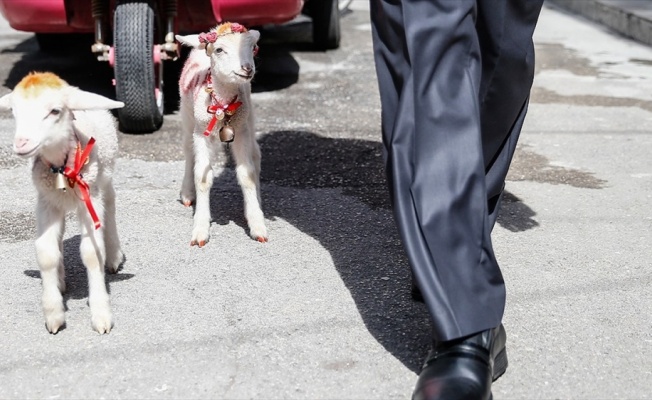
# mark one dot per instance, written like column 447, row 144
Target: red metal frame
column 36, row 15
column 256, row 12
column 74, row 16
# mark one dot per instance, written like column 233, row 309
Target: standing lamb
column 72, row 140
column 215, row 91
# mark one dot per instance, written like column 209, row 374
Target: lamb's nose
column 247, row 68
column 19, row 143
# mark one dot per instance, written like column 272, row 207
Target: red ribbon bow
column 217, row 109
column 74, row 177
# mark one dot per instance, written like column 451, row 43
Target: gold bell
column 227, row 134
column 60, row 182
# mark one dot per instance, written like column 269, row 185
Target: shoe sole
column 500, row 364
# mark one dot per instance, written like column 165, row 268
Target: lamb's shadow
column 76, row 276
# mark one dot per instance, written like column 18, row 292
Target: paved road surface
column 323, row 310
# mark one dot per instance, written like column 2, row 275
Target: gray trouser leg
column 454, row 78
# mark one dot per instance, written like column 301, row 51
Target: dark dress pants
column 454, row 79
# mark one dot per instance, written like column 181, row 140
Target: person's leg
column 505, row 35
column 394, row 78
column 433, row 168
column 394, row 75
column 435, row 161
column 445, row 172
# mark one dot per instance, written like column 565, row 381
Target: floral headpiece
column 206, row 39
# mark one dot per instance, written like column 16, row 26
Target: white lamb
column 215, row 89
column 57, row 126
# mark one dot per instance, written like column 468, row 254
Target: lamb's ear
column 255, row 35
column 5, row 101
column 77, row 99
column 189, row 40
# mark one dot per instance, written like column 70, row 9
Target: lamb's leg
column 114, row 255
column 49, row 255
column 61, row 271
column 188, row 186
column 93, row 254
column 203, row 180
column 247, row 158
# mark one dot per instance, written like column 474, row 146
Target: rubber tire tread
column 325, row 16
column 134, row 68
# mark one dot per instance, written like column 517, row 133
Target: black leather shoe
column 463, row 368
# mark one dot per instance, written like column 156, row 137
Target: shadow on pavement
column 80, row 69
column 276, row 69
column 76, row 277
column 379, row 281
column 515, row 215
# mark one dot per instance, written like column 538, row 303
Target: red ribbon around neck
column 217, row 109
column 74, row 177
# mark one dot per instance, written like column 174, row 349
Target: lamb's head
column 43, row 106
column 231, row 48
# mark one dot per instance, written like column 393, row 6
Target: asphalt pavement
column 323, row 310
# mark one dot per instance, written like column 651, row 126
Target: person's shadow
column 361, row 239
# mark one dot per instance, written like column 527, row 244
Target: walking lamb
column 215, row 90
column 72, row 140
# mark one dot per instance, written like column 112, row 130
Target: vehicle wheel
column 138, row 80
column 325, row 16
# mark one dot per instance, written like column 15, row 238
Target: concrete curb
column 631, row 18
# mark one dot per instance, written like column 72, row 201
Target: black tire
column 325, row 16
column 139, row 82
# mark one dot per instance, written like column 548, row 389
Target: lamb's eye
column 55, row 111
column 219, row 50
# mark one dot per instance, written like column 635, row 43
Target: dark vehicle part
column 325, row 16
column 138, row 68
